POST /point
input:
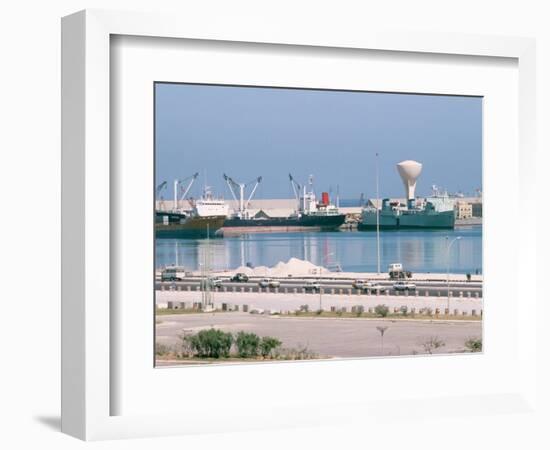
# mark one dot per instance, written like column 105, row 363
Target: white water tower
column 409, row 171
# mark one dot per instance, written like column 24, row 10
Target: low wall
column 293, row 301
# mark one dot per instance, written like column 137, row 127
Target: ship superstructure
column 436, row 211
column 204, row 219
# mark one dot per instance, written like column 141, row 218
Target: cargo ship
column 392, row 216
column 435, row 212
column 205, row 219
column 310, row 214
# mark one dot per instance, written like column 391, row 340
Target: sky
column 248, row 132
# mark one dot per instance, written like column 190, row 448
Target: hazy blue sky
column 334, row 135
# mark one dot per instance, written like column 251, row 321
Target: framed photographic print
column 252, row 219
column 244, row 270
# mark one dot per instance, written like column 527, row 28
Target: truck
column 396, row 272
column 173, row 273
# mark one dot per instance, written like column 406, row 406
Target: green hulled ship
column 435, row 212
column 393, row 216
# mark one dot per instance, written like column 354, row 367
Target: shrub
column 161, row 349
column 474, row 345
column 404, row 310
column 210, row 343
column 359, row 310
column 300, row 352
column 381, row 310
column 304, row 308
column 268, row 344
column 247, row 344
column 428, row 311
column 432, row 343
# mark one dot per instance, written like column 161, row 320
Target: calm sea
column 418, row 251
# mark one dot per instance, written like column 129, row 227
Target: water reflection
column 420, row 251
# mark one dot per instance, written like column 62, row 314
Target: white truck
column 396, row 272
column 173, row 273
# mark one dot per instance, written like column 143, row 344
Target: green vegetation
column 247, row 344
column 431, row 344
column 419, row 315
column 474, row 345
column 268, row 345
column 381, row 310
column 210, row 343
column 215, row 345
column 161, row 349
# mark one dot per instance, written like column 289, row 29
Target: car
column 312, row 286
column 370, row 286
column 239, row 277
column 404, row 286
column 212, row 282
column 215, row 281
column 269, row 282
column 358, row 284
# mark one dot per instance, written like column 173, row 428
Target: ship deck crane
column 158, row 191
column 297, row 189
column 178, row 183
column 235, row 187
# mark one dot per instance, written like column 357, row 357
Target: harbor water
column 349, row 251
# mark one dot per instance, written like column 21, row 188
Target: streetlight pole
column 377, row 218
column 320, row 291
column 448, row 271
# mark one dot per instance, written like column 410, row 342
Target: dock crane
column 235, row 187
column 158, row 191
column 178, row 198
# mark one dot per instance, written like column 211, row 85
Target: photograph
column 295, row 224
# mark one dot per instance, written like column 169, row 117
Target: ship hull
column 435, row 221
column 283, row 224
column 191, row 227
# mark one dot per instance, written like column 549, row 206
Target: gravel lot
column 329, row 337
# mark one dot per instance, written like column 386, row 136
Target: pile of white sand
column 294, row 267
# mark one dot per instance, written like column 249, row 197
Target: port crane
column 158, row 191
column 235, row 187
column 179, row 183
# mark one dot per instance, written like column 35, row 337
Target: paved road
column 433, row 288
column 331, row 337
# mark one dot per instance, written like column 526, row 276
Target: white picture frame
column 89, row 321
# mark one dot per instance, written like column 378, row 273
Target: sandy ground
column 299, row 268
column 329, row 337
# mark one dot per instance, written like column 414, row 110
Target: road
column 328, row 337
column 433, row 288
